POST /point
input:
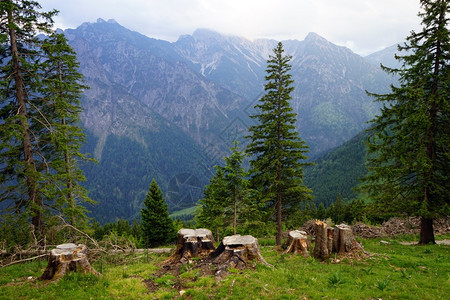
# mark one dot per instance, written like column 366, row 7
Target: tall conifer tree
column 20, row 22
column 61, row 89
column 212, row 208
column 157, row 226
column 408, row 150
column 225, row 195
column 276, row 149
column 40, row 140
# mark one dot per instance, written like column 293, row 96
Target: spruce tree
column 408, row 147
column 235, row 180
column 277, row 152
column 157, row 226
column 61, row 89
column 224, row 197
column 20, row 157
column 212, row 208
column 40, row 138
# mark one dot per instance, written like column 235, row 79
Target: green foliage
column 61, row 91
column 408, row 144
column 40, row 143
column 157, row 226
column 338, row 172
column 335, row 280
column 276, row 149
column 226, row 198
column 15, row 231
column 169, row 154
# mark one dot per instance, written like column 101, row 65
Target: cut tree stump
column 343, row 239
column 322, row 248
column 192, row 243
column 297, row 242
column 66, row 258
column 236, row 251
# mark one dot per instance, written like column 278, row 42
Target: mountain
column 338, row 172
column 171, row 110
column 330, row 81
column 234, row 62
column 152, row 72
column 141, row 120
column 385, row 57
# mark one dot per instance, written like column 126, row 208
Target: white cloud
column 362, row 25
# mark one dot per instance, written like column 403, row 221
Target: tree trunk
column 236, row 251
column 426, row 231
column 321, row 250
column 343, row 239
column 297, row 242
column 34, row 200
column 235, row 211
column 192, row 243
column 66, row 258
column 279, row 220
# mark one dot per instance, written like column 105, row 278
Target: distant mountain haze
column 177, row 107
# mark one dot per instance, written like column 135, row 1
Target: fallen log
column 66, row 258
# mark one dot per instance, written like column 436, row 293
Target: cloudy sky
column 364, row 26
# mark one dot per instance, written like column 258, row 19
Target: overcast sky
column 365, row 26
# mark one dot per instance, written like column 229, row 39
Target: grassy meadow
column 393, row 271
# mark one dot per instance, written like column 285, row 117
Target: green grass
column 396, row 271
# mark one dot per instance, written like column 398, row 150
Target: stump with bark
column 339, row 240
column 297, row 242
column 192, row 243
column 66, row 258
column 236, row 251
column 343, row 239
column 322, row 248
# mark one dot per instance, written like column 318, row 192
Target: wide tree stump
column 65, row 258
column 236, row 251
column 324, row 238
column 297, row 242
column 343, row 239
column 192, row 243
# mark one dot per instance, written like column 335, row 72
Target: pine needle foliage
column 276, row 151
column 408, row 159
column 157, row 226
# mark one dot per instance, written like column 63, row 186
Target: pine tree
column 235, row 180
column 408, row 148
column 61, row 90
column 225, row 194
column 40, row 140
column 20, row 157
column 276, row 149
column 157, row 226
column 212, row 209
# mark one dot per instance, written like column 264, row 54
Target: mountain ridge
column 200, row 90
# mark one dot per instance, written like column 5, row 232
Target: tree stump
column 65, row 258
column 236, row 251
column 343, row 239
column 324, row 238
column 297, row 242
column 192, row 243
